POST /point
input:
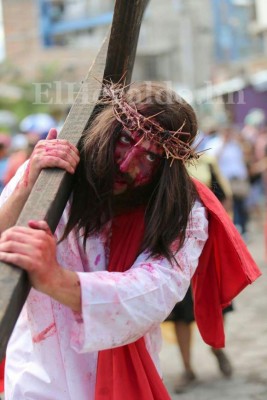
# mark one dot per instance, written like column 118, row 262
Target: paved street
column 246, row 344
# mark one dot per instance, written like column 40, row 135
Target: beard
column 134, row 196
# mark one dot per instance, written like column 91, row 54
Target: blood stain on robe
column 47, row 332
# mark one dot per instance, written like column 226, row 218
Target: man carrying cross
column 125, row 250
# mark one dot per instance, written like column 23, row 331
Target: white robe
column 52, row 353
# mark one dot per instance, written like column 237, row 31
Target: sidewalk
column 246, row 345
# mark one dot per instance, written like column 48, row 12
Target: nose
column 129, row 160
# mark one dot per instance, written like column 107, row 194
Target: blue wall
column 51, row 23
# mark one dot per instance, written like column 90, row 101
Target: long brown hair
column 168, row 199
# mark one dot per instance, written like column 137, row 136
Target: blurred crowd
column 234, row 165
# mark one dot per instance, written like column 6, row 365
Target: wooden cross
column 53, row 187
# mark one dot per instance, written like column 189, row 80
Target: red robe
column 225, row 268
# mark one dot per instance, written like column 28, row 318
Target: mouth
column 123, row 179
column 120, row 180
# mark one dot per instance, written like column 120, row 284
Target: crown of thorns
column 146, row 127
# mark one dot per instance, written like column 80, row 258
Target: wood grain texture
column 124, row 38
column 53, row 187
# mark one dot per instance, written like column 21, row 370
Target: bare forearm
column 33, row 249
column 66, row 289
column 11, row 209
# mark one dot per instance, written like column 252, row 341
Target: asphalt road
column 246, row 344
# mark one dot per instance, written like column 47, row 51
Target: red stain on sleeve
column 47, row 332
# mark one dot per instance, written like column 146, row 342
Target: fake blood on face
column 136, row 159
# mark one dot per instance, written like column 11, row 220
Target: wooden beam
column 124, row 38
column 53, row 187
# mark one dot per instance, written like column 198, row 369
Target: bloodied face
column 137, row 161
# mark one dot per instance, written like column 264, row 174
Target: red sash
column 127, row 372
column 225, row 268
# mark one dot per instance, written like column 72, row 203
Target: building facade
column 68, row 33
